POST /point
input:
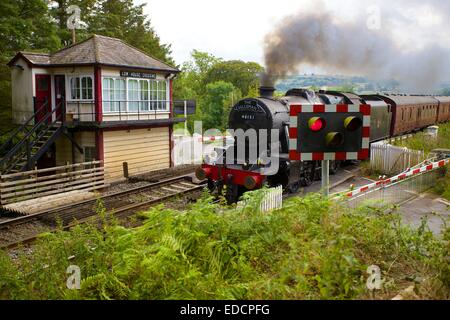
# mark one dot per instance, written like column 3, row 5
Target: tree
column 206, row 75
column 190, row 84
column 344, row 88
column 127, row 21
column 216, row 103
column 114, row 18
column 89, row 13
column 445, row 92
column 24, row 25
column 243, row 75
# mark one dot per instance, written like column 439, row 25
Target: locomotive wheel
column 334, row 166
column 211, row 185
column 294, row 187
column 309, row 173
column 232, row 193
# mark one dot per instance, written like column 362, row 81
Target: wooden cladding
column 143, row 149
column 33, row 184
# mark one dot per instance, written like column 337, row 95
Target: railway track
column 121, row 204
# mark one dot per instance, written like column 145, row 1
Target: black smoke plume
column 317, row 39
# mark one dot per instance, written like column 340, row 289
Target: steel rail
column 83, row 203
column 119, row 212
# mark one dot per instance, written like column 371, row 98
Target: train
column 391, row 115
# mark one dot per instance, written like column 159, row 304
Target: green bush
column 310, row 249
column 420, row 141
column 442, row 186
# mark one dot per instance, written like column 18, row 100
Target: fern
column 309, row 249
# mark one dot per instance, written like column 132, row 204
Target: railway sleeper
column 181, row 188
column 170, row 190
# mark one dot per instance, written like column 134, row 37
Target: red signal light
column 316, row 124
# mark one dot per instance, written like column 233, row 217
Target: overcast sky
column 235, row 29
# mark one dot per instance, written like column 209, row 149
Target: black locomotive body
column 272, row 115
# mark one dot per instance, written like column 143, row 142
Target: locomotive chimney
column 266, row 92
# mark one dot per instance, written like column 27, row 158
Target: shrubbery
column 442, row 186
column 310, row 249
column 421, row 141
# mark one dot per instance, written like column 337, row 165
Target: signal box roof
column 97, row 50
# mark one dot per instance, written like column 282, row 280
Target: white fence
column 273, row 199
column 389, row 159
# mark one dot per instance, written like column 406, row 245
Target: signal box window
column 114, row 95
column 81, row 88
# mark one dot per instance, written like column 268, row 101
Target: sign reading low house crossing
column 143, row 75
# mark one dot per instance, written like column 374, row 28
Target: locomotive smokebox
column 266, row 92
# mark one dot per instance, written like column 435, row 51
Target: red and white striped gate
column 384, row 183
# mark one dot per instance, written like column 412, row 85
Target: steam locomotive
column 391, row 115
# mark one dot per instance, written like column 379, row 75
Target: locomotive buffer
column 329, row 132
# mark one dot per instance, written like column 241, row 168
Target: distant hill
column 345, row 83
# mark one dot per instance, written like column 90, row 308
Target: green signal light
column 352, row 123
column 334, row 139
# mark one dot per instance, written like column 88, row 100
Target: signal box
column 329, row 132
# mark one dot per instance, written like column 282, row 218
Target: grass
column 368, row 172
column 442, row 186
column 310, row 249
column 420, row 141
